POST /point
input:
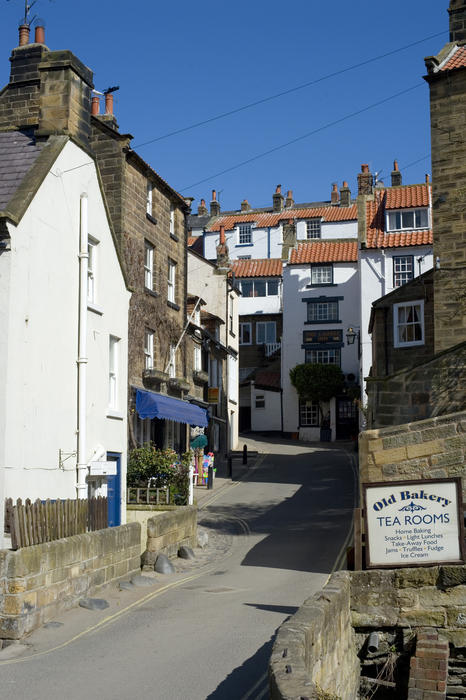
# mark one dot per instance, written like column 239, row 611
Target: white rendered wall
column 266, row 305
column 376, row 280
column 42, row 330
column 268, row 418
column 338, row 229
column 295, row 279
column 266, row 243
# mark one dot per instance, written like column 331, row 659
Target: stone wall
column 315, row 649
column 427, row 449
column 165, row 528
column 40, row 582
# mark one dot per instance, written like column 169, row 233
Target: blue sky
column 180, row 63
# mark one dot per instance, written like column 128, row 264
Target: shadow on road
column 243, row 678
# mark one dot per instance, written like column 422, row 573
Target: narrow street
column 207, row 633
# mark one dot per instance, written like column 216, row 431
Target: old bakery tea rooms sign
column 413, row 522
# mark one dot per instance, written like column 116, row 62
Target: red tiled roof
column 329, row 214
column 396, row 198
column 268, row 267
column 458, row 60
column 192, row 240
column 325, row 251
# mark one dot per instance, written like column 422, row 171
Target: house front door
column 114, row 491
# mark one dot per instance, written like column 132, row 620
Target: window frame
column 314, row 269
column 92, row 269
column 315, row 409
column 148, row 348
column 241, row 327
column 113, row 371
column 172, row 362
column 172, row 221
column 245, row 231
column 336, row 351
column 396, row 258
column 259, row 398
column 197, row 358
column 313, row 225
column 171, row 281
column 265, row 324
column 149, row 197
column 396, row 325
column 316, row 303
column 149, row 249
column 414, row 210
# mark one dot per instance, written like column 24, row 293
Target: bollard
column 230, row 466
column 245, row 454
column 210, row 478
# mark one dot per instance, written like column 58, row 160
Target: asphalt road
column 206, row 633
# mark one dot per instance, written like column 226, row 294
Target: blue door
column 114, row 491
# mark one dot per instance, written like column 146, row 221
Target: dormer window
column 407, row 219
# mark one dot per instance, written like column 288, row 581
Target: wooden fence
column 44, row 521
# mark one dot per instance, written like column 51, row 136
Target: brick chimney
column 334, row 195
column 457, row 11
column 289, row 202
column 222, row 250
column 396, row 175
column 345, row 195
column 289, row 238
column 214, row 205
column 202, row 209
column 365, row 180
column 278, row 199
column 245, row 205
column 50, row 90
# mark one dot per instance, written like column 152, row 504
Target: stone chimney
column 222, row 250
column 334, row 195
column 457, row 11
column 214, row 205
column 278, row 199
column 289, row 238
column 289, row 202
column 245, row 205
column 50, row 90
column 396, row 175
column 202, row 209
column 345, row 195
column 365, row 180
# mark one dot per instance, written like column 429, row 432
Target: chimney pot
column 289, row 199
column 365, row 180
column 214, row 205
column 39, row 37
column 245, row 205
column 364, row 168
column 334, row 197
column 427, row 178
column 396, row 175
column 277, row 199
column 222, row 235
column 95, row 106
column 108, row 103
column 24, row 30
column 214, row 195
column 203, row 202
column 345, row 195
column 395, row 165
column 278, row 190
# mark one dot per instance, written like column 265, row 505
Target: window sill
column 117, row 415
column 151, row 293
column 244, row 245
column 413, row 344
column 323, row 284
column 325, row 320
column 174, row 238
column 94, row 308
column 151, row 218
column 172, row 305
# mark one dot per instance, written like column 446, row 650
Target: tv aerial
column 28, row 5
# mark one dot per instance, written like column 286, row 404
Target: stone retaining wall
column 169, row 529
column 38, row 582
column 315, row 649
column 427, row 449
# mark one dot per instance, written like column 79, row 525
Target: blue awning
column 151, row 405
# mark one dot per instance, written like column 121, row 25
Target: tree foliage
column 317, row 382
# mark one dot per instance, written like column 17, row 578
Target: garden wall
column 39, row 582
column 165, row 528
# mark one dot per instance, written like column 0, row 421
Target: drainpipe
column 81, row 486
column 268, row 241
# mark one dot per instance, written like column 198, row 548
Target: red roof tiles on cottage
column 268, row 267
column 457, row 60
column 406, row 197
column 325, row 251
column 262, row 220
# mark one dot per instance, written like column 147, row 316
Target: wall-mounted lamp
column 351, row 335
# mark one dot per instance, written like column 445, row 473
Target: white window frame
column 113, row 357
column 265, row 325
column 323, row 356
column 309, row 414
column 402, row 276
column 245, row 234
column 396, row 324
column 393, row 213
column 317, row 275
column 171, row 281
column 197, row 358
column 92, row 269
column 172, row 363
column 149, row 199
column 242, row 326
column 313, row 228
column 149, row 265
column 172, row 220
column 148, row 349
column 260, row 402
column 321, row 309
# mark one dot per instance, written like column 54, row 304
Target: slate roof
column 408, row 196
column 328, row 213
column 267, row 379
column 18, row 153
column 195, row 221
column 265, row 267
column 324, row 251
